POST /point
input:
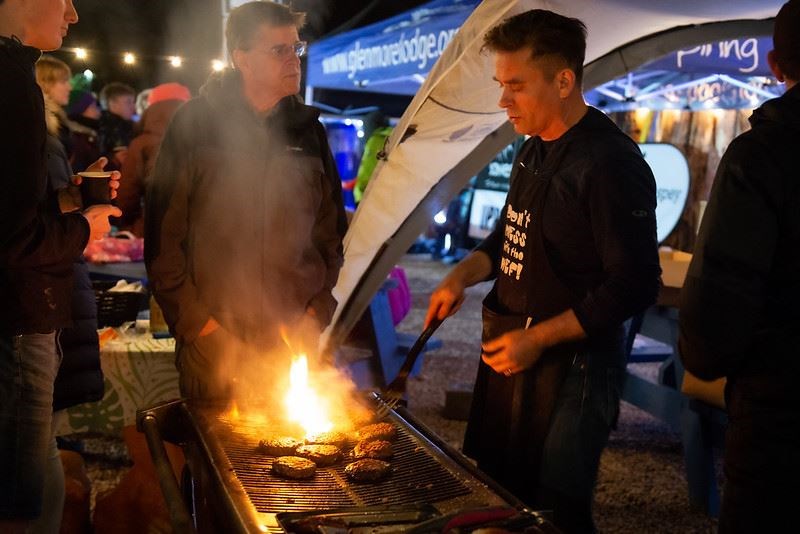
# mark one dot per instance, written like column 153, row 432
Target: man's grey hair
column 244, row 21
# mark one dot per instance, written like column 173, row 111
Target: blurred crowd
column 119, row 123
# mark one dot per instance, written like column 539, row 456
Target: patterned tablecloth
column 139, row 372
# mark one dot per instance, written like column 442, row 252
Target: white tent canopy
column 453, row 126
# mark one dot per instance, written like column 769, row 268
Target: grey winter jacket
column 244, row 216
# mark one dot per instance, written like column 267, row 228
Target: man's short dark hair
column 786, row 39
column 114, row 90
column 244, row 21
column 546, row 33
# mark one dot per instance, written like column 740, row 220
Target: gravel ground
column 641, row 485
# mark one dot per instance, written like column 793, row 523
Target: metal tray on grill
column 367, row 520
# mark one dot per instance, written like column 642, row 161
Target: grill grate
column 416, row 477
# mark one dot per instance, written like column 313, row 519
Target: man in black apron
column 573, row 256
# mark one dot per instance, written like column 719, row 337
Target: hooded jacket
column 140, row 161
column 739, row 311
column 38, row 244
column 245, row 218
column 79, row 378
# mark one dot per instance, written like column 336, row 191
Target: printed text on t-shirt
column 516, row 235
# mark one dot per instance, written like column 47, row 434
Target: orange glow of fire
column 303, row 405
column 246, row 420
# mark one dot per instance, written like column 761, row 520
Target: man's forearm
column 473, row 269
column 562, row 328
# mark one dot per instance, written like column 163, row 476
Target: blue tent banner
column 392, row 56
column 740, row 57
column 728, row 74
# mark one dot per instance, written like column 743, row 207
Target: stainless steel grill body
column 234, row 491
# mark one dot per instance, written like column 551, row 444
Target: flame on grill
column 303, row 405
column 312, row 398
column 233, row 414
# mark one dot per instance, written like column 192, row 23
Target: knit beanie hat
column 79, row 101
column 169, row 91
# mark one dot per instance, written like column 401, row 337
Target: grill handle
column 179, row 515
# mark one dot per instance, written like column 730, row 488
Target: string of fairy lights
column 131, row 59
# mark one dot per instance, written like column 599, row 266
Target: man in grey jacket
column 244, row 214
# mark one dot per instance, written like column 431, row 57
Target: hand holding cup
column 96, row 185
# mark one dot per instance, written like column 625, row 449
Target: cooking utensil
column 363, row 519
column 396, row 390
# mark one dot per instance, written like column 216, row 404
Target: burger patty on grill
column 367, row 470
column 281, row 446
column 384, row 431
column 378, row 448
column 322, row 455
column 293, row 467
column 338, row 439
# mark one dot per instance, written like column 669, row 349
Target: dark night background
column 192, row 29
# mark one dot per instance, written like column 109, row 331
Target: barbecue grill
column 228, row 487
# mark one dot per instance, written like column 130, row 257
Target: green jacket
column 370, row 159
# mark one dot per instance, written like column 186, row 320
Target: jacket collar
column 26, row 55
column 224, row 90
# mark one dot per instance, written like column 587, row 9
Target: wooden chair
column 697, row 419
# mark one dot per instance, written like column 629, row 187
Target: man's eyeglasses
column 285, row 51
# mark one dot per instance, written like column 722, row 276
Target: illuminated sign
column 672, row 184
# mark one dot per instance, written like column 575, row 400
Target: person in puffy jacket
column 79, row 378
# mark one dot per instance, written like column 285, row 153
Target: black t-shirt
column 598, row 225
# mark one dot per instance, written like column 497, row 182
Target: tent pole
column 746, row 86
column 679, row 87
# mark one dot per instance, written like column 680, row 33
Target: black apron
column 510, row 416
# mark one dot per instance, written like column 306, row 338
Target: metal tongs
column 505, row 518
column 396, row 390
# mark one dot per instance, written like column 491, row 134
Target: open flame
column 233, row 413
column 303, row 405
